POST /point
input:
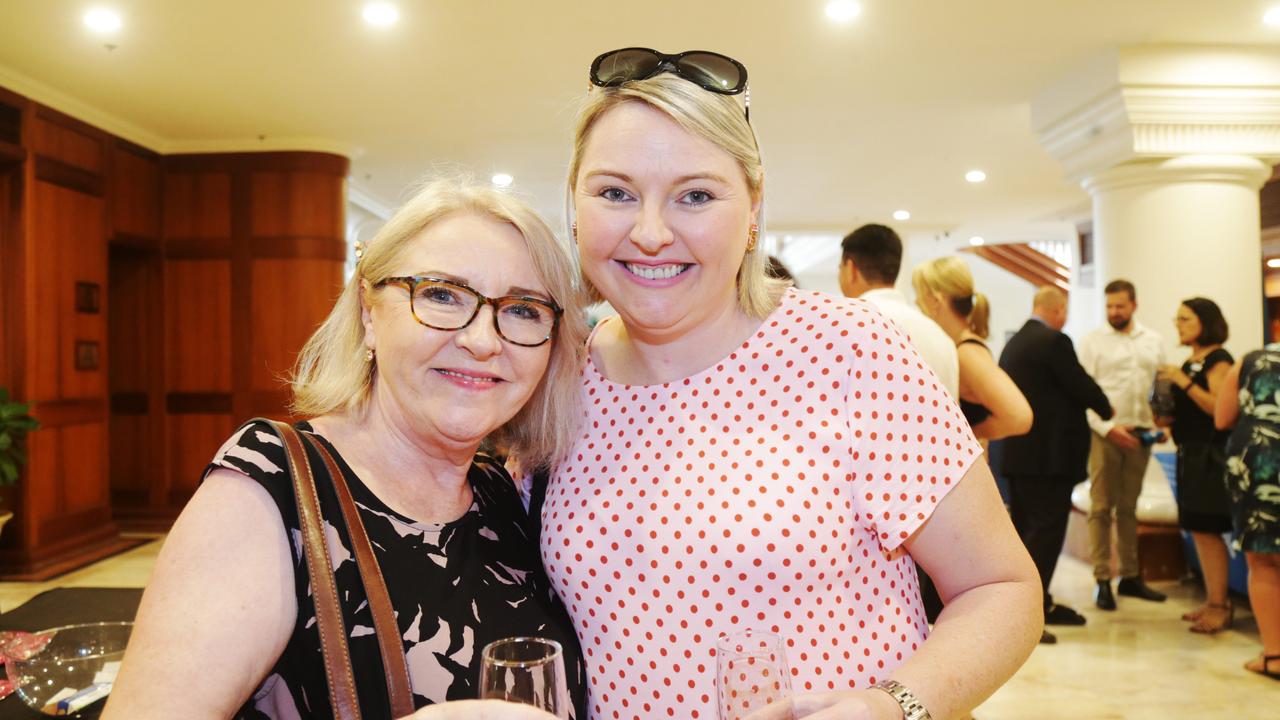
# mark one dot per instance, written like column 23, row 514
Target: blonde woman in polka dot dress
column 753, row 456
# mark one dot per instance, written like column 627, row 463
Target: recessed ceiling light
column 1272, row 17
column 901, row 215
column 977, row 240
column 843, row 11
column 502, row 179
column 975, row 176
column 381, row 14
column 1273, row 263
column 103, row 20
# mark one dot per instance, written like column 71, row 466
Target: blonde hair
column 333, row 376
column 720, row 120
column 950, row 277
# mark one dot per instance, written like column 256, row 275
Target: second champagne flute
column 752, row 674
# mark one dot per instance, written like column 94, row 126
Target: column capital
column 1163, row 102
column 1249, row 172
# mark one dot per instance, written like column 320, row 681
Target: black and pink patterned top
column 455, row 587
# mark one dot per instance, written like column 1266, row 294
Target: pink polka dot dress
column 771, row 491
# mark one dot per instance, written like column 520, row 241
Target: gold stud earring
column 574, row 229
column 368, row 356
column 752, row 235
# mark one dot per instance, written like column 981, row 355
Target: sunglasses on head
column 710, row 71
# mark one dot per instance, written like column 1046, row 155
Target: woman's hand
column 1173, row 374
column 839, row 705
column 480, row 710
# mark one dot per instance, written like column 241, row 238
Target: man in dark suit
column 1043, row 465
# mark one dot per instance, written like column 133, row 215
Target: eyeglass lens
column 524, row 322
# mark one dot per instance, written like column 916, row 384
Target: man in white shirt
column 868, row 269
column 1122, row 357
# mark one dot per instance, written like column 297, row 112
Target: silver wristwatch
column 912, row 709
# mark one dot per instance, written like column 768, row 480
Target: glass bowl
column 73, row 670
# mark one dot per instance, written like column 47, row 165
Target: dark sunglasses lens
column 713, row 72
column 620, row 66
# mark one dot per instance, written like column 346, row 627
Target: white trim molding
column 1151, row 103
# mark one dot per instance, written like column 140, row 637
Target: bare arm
column 987, row 581
column 990, row 625
column 217, row 612
column 982, row 381
column 1204, row 399
column 1227, row 410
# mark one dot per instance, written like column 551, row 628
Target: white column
column 1173, row 143
column 1180, row 228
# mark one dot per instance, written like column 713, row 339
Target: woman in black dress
column 450, row 331
column 1202, row 489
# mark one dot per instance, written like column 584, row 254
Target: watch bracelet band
column 912, row 708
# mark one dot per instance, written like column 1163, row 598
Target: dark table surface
column 66, row 606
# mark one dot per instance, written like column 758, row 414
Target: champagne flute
column 526, row 670
column 752, row 673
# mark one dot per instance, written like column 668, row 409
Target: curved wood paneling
column 209, row 273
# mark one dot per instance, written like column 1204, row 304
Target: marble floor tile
column 1138, row 662
column 131, row 568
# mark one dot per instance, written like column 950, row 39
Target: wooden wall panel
column 135, row 192
column 11, row 288
column 80, row 238
column 68, row 141
column 133, row 440
column 296, row 203
column 41, row 485
column 197, row 205
column 70, row 247
column 290, row 301
column 198, row 326
column 136, row 378
column 83, row 471
column 135, row 294
column 193, row 441
column 43, row 282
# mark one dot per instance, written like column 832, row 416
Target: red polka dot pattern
column 772, row 491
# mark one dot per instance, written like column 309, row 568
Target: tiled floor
column 1137, row 663
column 128, row 569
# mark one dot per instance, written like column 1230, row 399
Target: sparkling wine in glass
column 752, row 674
column 526, row 670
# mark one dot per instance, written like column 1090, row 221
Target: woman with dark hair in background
column 1202, row 490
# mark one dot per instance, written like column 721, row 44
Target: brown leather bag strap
column 384, row 619
column 333, row 633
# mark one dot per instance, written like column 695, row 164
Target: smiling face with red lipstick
column 460, row 385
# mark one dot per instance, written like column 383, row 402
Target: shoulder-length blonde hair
column 719, row 119
column 950, row 277
column 333, row 375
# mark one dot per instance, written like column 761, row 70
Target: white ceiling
column 855, row 121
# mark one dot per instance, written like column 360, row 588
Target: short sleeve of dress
column 910, row 443
column 256, row 451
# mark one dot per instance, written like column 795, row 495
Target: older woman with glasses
column 755, row 456
column 460, row 323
